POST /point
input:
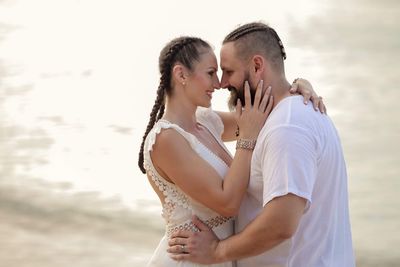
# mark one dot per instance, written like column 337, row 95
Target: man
column 296, row 209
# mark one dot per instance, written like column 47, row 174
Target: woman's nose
column 217, row 85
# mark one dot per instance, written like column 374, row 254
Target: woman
column 183, row 153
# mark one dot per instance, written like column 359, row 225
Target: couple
column 287, row 181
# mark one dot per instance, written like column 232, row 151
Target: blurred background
column 78, row 80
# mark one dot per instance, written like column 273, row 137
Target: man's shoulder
column 295, row 112
column 287, row 112
column 292, row 115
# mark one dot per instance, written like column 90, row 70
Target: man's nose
column 224, row 83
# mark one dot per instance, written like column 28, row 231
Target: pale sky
column 93, row 63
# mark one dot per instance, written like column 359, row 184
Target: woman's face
column 203, row 80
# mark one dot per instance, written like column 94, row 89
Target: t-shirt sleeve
column 289, row 164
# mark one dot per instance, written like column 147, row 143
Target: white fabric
column 298, row 151
column 179, row 207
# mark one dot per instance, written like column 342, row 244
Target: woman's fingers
column 315, row 101
column 265, row 99
column 294, row 88
column 258, row 96
column 322, row 106
column 270, row 105
column 247, row 96
column 307, row 96
column 238, row 111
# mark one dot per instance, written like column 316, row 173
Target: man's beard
column 238, row 93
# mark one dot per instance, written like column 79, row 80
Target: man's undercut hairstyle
column 258, row 38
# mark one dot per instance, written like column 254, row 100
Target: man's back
column 299, row 152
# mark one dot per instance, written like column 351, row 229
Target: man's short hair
column 258, row 38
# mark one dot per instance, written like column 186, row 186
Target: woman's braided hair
column 184, row 50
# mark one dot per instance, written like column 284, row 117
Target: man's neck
column 280, row 90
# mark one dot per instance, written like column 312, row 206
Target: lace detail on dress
column 173, row 195
column 189, row 226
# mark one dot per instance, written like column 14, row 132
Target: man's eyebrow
column 225, row 69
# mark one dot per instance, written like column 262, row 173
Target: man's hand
column 304, row 87
column 199, row 247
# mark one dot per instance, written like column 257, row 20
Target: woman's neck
column 181, row 113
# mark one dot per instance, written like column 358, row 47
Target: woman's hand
column 251, row 118
column 304, row 87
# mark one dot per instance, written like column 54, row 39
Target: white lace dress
column 178, row 207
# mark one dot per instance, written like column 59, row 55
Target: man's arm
column 277, row 222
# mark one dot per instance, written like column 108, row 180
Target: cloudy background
column 77, row 82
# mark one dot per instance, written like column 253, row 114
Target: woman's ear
column 180, row 74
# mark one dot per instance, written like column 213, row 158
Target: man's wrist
column 220, row 252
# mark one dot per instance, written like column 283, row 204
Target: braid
column 171, row 56
column 183, row 50
column 161, row 112
column 241, row 31
column 152, row 121
column 279, row 42
column 255, row 27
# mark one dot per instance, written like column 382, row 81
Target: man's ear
column 180, row 74
column 259, row 65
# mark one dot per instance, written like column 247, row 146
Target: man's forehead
column 227, row 55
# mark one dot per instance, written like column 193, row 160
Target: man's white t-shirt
column 299, row 152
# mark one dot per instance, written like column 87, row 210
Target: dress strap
column 164, row 124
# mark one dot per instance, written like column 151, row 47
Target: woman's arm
column 191, row 173
column 173, row 155
column 230, row 125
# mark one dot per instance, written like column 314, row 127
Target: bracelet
column 246, row 144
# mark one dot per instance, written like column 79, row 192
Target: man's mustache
column 234, row 96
